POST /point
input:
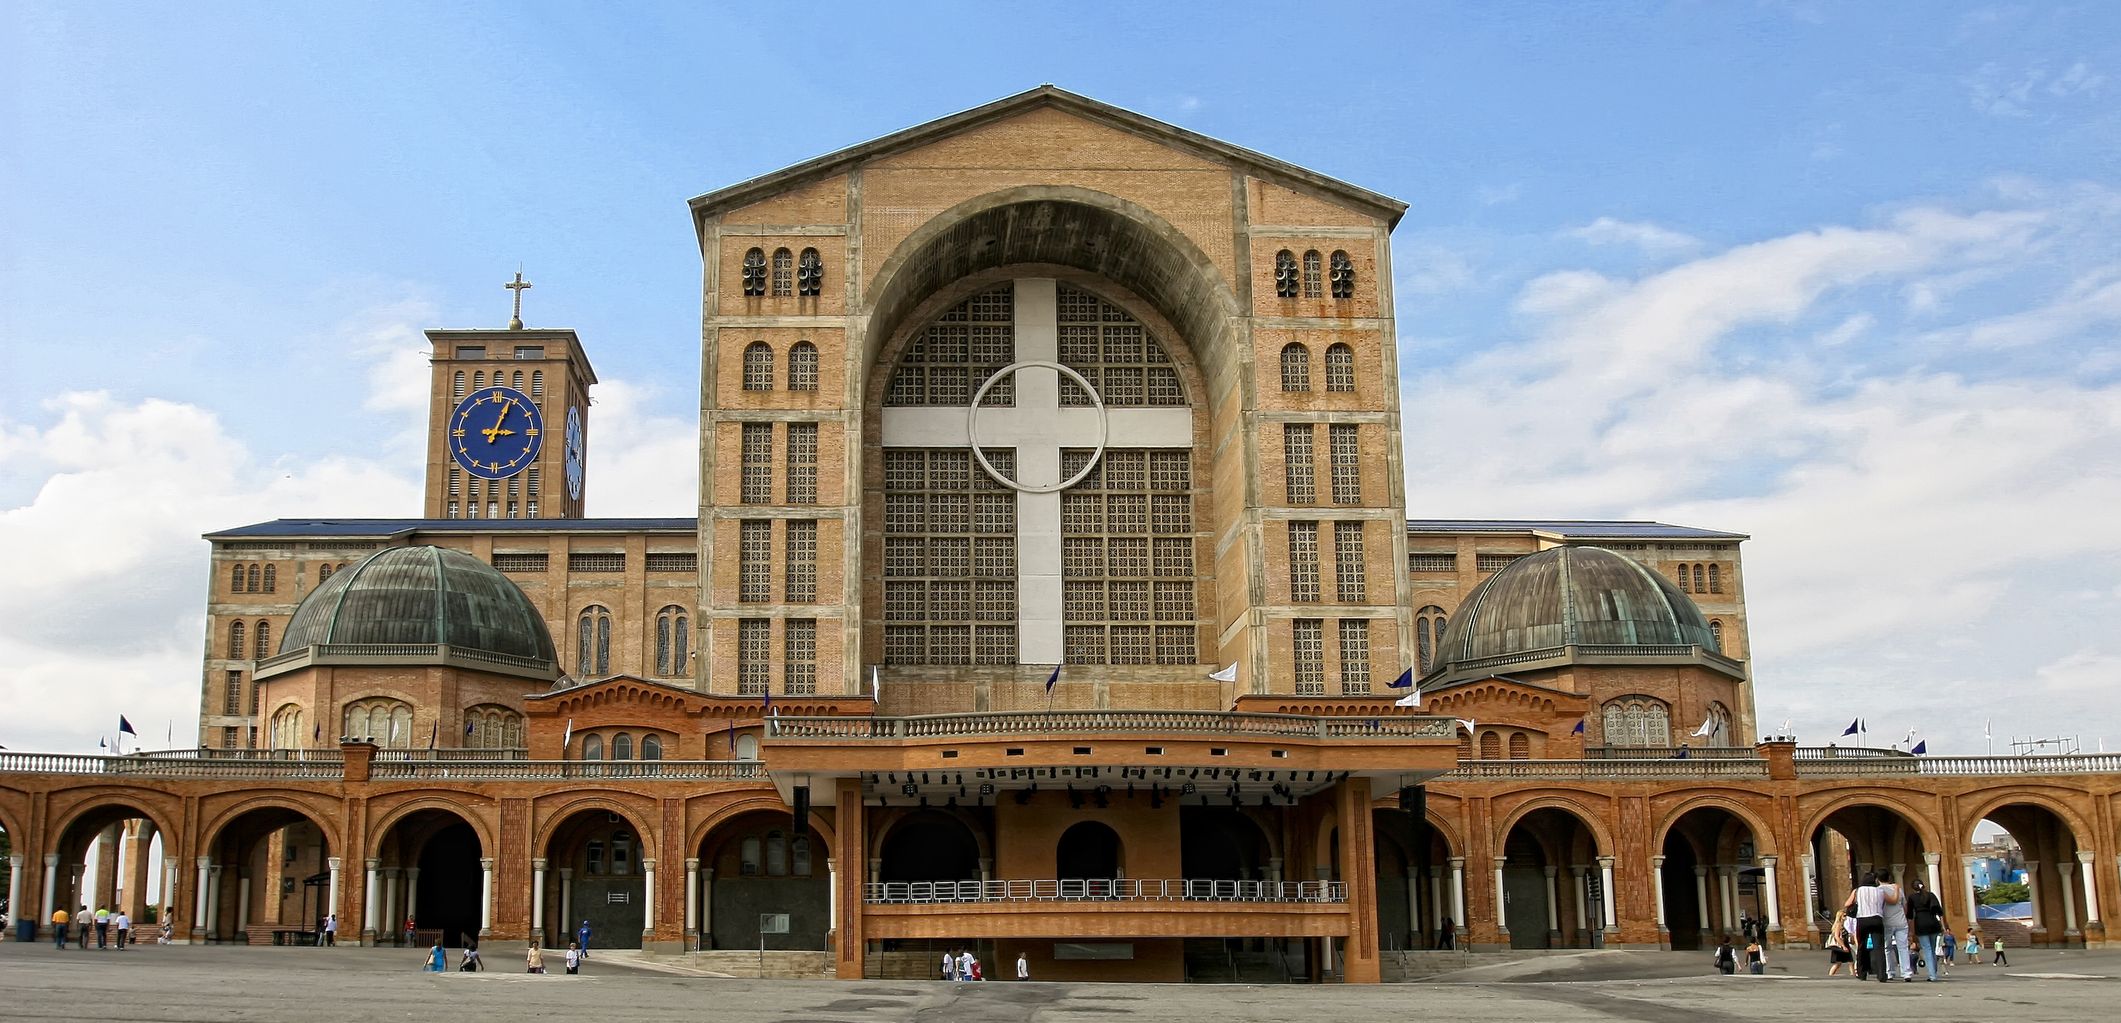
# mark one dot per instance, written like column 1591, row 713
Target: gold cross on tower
column 515, row 322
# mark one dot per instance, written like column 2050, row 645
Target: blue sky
column 1842, row 276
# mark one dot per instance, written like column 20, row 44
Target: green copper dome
column 421, row 596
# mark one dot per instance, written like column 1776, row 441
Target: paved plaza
column 190, row 984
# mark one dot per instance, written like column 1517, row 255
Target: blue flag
column 126, row 727
column 1854, row 727
column 1578, row 730
column 1404, row 681
column 1921, row 748
column 467, row 727
column 1052, row 680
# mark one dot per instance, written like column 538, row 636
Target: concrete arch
column 379, row 828
column 554, row 816
column 980, row 837
column 318, row 815
column 2081, row 831
column 1567, row 802
column 697, row 835
column 1924, row 829
column 95, row 800
column 1764, row 843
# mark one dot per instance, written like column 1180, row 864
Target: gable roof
column 1259, row 164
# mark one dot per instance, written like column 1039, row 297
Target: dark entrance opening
column 1088, row 850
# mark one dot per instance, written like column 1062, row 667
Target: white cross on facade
column 1038, row 427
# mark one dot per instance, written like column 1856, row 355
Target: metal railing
column 560, row 770
column 327, row 765
column 174, row 767
column 1125, row 889
column 1606, row 770
column 1106, row 722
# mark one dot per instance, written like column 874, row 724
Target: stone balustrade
column 1605, row 770
column 1036, row 724
column 1125, row 889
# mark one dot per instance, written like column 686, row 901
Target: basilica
column 1052, row 592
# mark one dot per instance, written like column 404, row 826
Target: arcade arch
column 105, row 849
column 1551, row 887
column 2021, row 831
column 428, row 870
column 271, row 871
column 1855, row 835
column 1711, row 876
column 595, row 871
column 1413, row 879
column 756, row 862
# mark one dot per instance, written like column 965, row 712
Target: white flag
column 567, row 737
column 1708, row 727
column 1467, row 724
column 1228, row 674
column 876, row 684
column 1412, row 699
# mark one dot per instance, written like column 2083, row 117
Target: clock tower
column 507, row 422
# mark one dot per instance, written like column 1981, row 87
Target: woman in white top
column 1867, row 905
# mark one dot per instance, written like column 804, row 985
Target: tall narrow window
column 754, row 637
column 758, row 366
column 237, row 648
column 1285, row 280
column 1491, row 745
column 1354, row 656
column 799, row 667
column 1700, row 580
column 1295, row 367
column 783, row 272
column 621, row 749
column 537, row 385
column 478, row 380
column 1343, row 275
column 1309, row 664
column 1520, row 746
column 672, row 641
column 235, row 579
column 593, row 659
column 1715, row 580
column 802, row 367
column 256, row 582
column 758, row 463
column 262, row 646
column 1349, row 569
column 1303, row 562
column 651, row 748
column 530, row 483
column 755, row 272
column 1340, row 368
column 593, row 749
column 1428, row 636
column 1313, row 285
column 1682, row 573
column 810, row 274
column 754, row 554
column 323, row 574
column 272, row 578
column 802, row 561
column 456, row 386
column 232, row 693
column 802, row 463
column 1347, row 463
column 1716, row 635
column 1298, row 463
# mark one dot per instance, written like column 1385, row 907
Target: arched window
column 272, row 578
column 1465, row 746
column 802, row 367
column 236, row 646
column 1428, row 636
column 758, row 366
column 783, row 272
column 286, row 730
column 749, row 855
column 747, row 747
column 478, row 379
column 593, row 636
column 235, row 579
column 755, row 272
column 1340, row 368
column 1715, row 580
column 622, row 747
column 1700, row 580
column 263, row 644
column 1683, row 579
column 776, row 854
column 1490, row 746
column 1295, row 367
column 1719, row 722
column 323, row 573
column 1520, row 746
column 673, row 638
column 537, row 385
column 456, row 386
column 1636, row 721
column 492, row 726
column 1343, row 275
column 257, row 583
column 621, row 851
column 810, row 274
column 1716, row 635
column 1313, row 283
column 592, row 747
column 1285, row 280
column 651, row 748
column 381, row 720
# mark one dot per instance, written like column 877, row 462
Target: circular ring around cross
column 1097, row 402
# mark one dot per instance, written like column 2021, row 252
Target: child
column 437, row 958
column 2001, row 959
column 1837, row 949
column 1973, row 946
column 471, row 960
column 535, row 957
column 574, row 957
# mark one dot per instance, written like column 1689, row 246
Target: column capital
column 412, row 872
column 331, row 863
column 14, row 859
column 566, row 873
column 1968, row 858
column 1700, row 871
column 1458, row 863
column 51, row 859
column 485, row 863
column 1806, row 859
column 204, row 861
column 693, row 862
column 537, row 863
column 215, row 869
column 1500, row 861
column 1553, row 871
column 2083, row 856
column 1605, row 862
column 1578, row 868
column 647, row 864
column 1656, row 863
column 1769, row 861
column 1932, row 858
column 2032, row 865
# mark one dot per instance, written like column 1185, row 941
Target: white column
column 692, row 892
column 1657, row 887
column 368, row 901
column 1553, row 900
column 566, row 902
column 832, row 895
column 2091, row 890
column 1701, row 896
column 2069, row 898
column 14, row 882
column 242, row 903
column 1612, row 898
column 1811, row 887
column 1435, row 899
column 1414, row 906
column 1502, row 918
column 1458, row 892
column 648, row 911
column 51, row 888
column 1929, row 863
column 391, row 919
column 331, row 899
column 169, row 885
column 1580, row 881
column 2032, row 890
column 1774, row 896
column 537, row 901
column 213, row 900
column 486, row 894
column 1727, row 890
column 412, row 893
column 198, row 895
column 1966, row 880
column 706, row 905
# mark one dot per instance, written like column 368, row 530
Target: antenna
column 2059, row 746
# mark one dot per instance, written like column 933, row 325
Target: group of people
column 962, row 965
column 103, row 923
column 1886, row 931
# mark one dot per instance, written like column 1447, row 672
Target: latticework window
column 799, row 661
column 383, row 721
column 945, row 363
column 1637, row 721
column 537, row 385
column 801, row 543
column 754, row 560
column 1520, row 746
column 949, row 558
column 810, row 273
column 754, row 652
column 1303, row 562
column 1285, row 282
column 1299, row 464
column 456, row 386
column 755, row 272
column 237, row 648
column 1428, row 636
column 1295, row 367
column 272, row 578
column 1313, row 275
column 1494, row 562
column 673, row 641
column 1716, row 635
column 672, row 561
column 593, row 642
column 1346, row 456
column 802, row 463
column 596, row 561
column 1715, row 580
column 1354, row 656
column 783, row 272
column 1340, row 368
column 1349, row 568
column 491, row 726
column 1308, row 640
column 757, row 487
column 1127, row 561
column 232, row 693
column 1343, row 275
column 1700, row 579
column 261, row 648
column 1683, row 579
column 758, row 366
column 256, row 583
column 1110, row 349
column 802, row 367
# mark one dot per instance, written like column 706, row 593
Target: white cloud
column 1650, row 238
column 2001, row 92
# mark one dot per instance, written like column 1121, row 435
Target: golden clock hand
column 495, row 430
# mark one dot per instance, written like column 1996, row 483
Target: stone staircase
column 1209, row 961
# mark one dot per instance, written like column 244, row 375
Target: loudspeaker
column 1415, row 800
column 802, row 809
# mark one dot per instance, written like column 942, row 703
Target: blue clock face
column 495, row 432
column 574, row 453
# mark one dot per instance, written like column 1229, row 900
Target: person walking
column 409, row 931
column 124, row 926
column 964, row 965
column 437, row 958
column 1447, row 935
column 581, row 937
column 1726, row 957
column 534, row 958
column 1999, row 958
column 1867, row 905
column 949, row 964
column 1755, row 959
column 169, row 927
column 1926, row 913
column 1973, row 945
column 1023, row 967
column 574, row 958
column 1896, row 931
column 59, row 921
column 1951, row 950
column 1837, row 947
column 102, row 928
column 331, row 930
column 84, row 925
